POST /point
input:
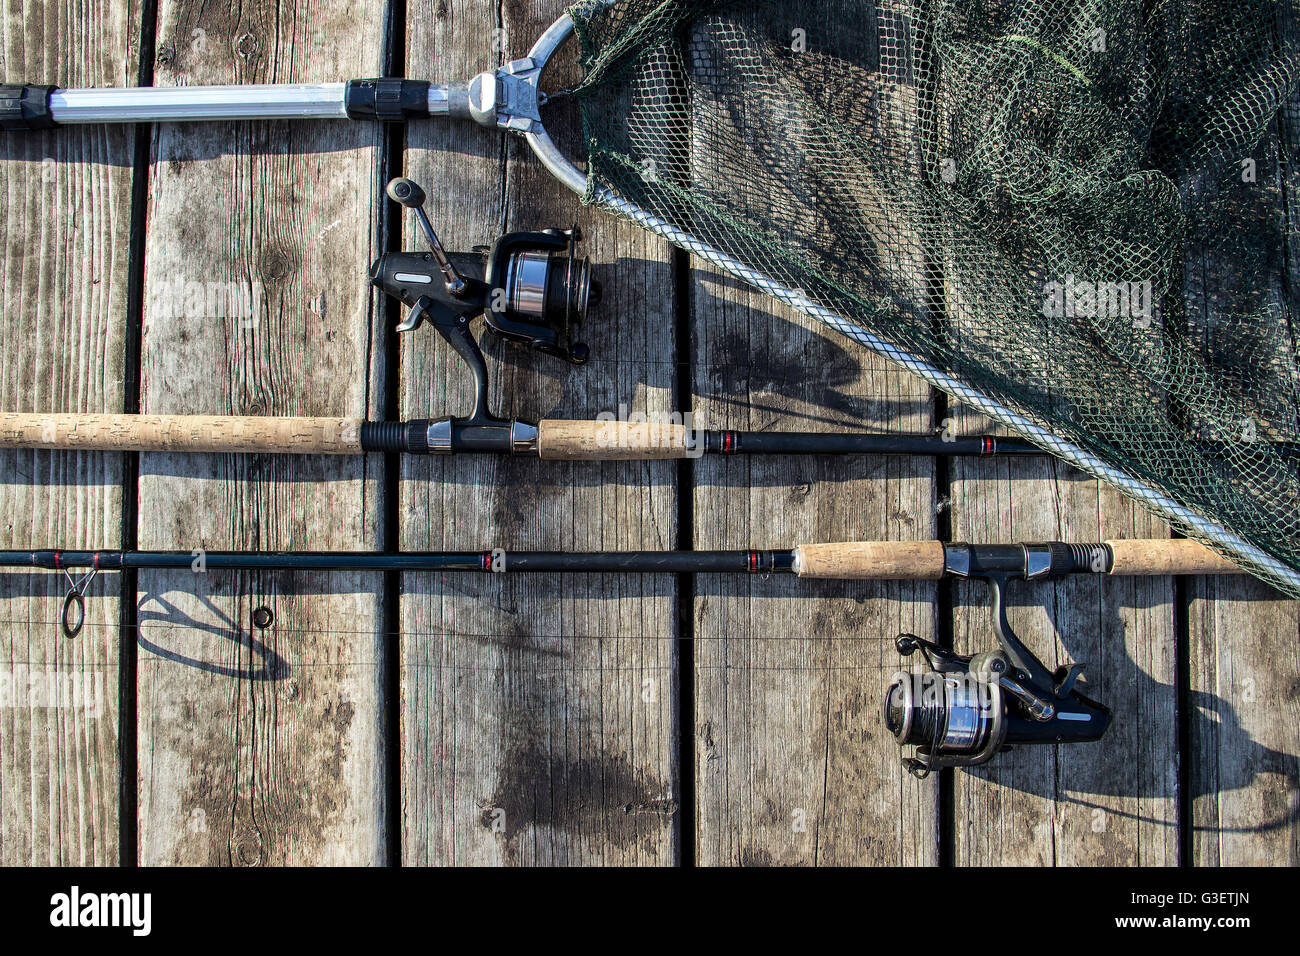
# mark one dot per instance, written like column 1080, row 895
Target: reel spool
column 548, row 291
column 948, row 716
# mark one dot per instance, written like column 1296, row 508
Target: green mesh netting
column 1080, row 208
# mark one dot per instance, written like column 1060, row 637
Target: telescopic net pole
column 32, row 106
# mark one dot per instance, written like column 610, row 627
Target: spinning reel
column 530, row 286
column 965, row 710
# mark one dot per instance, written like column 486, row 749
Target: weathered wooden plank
column 63, row 281
column 1244, row 657
column 793, row 763
column 1110, row 803
column 1113, row 802
column 1245, row 672
column 262, row 746
column 538, row 715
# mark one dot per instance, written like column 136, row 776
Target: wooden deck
column 489, row 720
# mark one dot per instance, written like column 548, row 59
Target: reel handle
column 407, row 193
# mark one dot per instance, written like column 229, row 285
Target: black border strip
column 1186, row 822
column 686, row 848
column 390, row 162
column 128, row 795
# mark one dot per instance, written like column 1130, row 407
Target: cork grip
column 1166, row 556
column 871, row 560
column 189, row 433
column 612, row 440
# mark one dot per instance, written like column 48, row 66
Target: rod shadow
column 1088, row 772
column 156, row 615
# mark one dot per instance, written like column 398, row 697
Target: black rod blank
column 665, row 562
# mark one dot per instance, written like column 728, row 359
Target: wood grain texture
column 63, row 281
column 1244, row 705
column 793, row 764
column 1109, row 803
column 262, row 747
column 182, row 433
column 1244, row 637
column 538, row 715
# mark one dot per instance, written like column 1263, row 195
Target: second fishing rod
column 529, row 287
column 958, row 711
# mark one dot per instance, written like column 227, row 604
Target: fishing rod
column 960, row 711
column 549, row 439
column 529, row 287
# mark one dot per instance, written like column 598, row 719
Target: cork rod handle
column 924, row 560
column 189, row 433
column 1167, row 556
column 871, row 560
column 613, row 441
